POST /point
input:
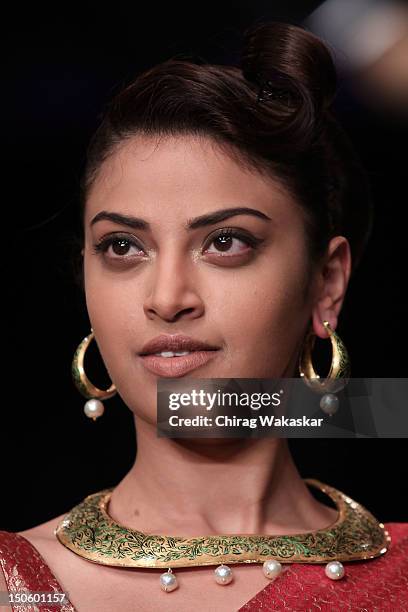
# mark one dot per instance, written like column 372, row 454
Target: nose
column 173, row 295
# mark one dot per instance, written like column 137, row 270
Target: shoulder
column 37, row 559
column 43, row 540
column 34, row 544
column 22, row 552
column 43, row 530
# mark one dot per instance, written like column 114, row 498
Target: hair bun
column 292, row 60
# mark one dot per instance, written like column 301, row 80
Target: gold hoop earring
column 94, row 407
column 338, row 375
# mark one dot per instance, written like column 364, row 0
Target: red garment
column 26, row 571
column 375, row 585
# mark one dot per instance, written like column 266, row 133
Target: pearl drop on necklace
column 223, row 574
column 271, row 569
column 334, row 570
column 168, row 581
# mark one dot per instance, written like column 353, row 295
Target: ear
column 82, row 252
column 332, row 282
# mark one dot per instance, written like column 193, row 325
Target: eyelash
column 102, row 246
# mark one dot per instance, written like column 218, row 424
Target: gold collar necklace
column 91, row 533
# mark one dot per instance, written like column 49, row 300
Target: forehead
column 175, row 177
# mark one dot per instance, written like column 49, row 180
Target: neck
column 215, row 486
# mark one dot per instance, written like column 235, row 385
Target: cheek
column 116, row 320
column 110, row 312
column 261, row 319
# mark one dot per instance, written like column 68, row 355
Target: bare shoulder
column 43, row 538
column 72, row 572
column 43, row 530
column 38, row 536
column 59, row 559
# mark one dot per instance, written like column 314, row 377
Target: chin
column 210, row 442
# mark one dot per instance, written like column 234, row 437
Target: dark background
column 61, row 67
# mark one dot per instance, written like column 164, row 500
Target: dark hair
column 273, row 114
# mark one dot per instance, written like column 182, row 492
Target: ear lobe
column 324, row 313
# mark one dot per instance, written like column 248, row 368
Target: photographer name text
column 253, row 422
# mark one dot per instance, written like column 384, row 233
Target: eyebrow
column 203, row 220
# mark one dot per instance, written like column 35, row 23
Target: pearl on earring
column 94, row 408
column 329, row 403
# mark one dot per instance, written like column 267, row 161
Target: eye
column 120, row 247
column 227, row 240
column 228, row 243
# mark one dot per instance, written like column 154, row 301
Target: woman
column 215, row 201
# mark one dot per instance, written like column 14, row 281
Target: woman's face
column 244, row 293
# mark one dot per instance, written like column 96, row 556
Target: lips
column 175, row 343
column 200, row 353
column 174, row 367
